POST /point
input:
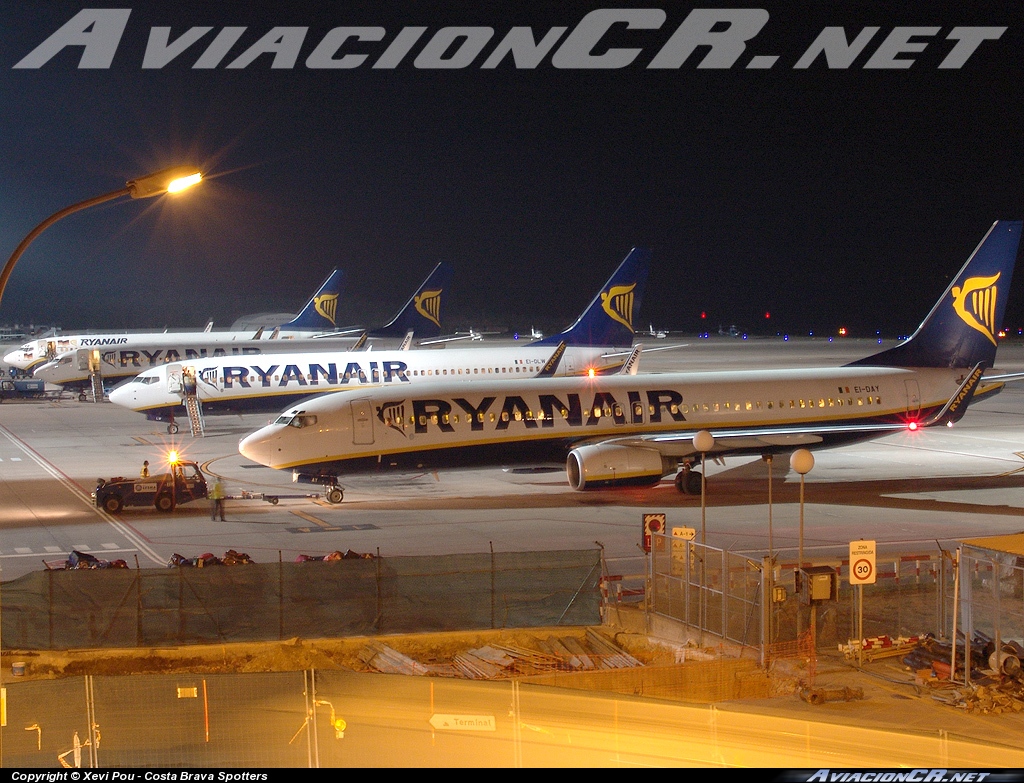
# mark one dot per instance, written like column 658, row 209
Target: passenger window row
column 616, row 411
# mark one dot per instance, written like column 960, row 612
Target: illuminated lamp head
column 912, row 426
column 591, row 372
column 172, row 458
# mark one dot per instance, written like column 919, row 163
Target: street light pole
column 770, row 576
column 703, row 442
column 801, row 461
column 171, row 180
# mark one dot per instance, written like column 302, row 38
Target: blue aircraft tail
column 608, row 321
column 962, row 328
column 422, row 313
column 319, row 313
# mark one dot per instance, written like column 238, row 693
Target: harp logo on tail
column 428, row 304
column 326, row 305
column 618, row 303
column 975, row 303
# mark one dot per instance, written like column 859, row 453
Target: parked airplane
column 635, row 429
column 75, row 368
column 316, row 316
column 277, row 380
column 659, row 334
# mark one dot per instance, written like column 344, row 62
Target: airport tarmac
column 913, row 489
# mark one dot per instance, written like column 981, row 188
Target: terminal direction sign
column 463, row 722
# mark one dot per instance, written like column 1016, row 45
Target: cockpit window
column 297, row 420
column 145, row 380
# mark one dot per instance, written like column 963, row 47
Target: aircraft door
column 913, row 398
column 362, row 422
column 174, row 380
column 83, row 355
column 570, row 362
column 51, row 350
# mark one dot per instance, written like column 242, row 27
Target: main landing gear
column 688, row 481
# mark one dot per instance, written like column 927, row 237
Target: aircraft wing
column 1004, row 378
column 680, row 444
column 646, row 350
column 355, row 330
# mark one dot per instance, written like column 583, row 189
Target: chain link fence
column 103, row 608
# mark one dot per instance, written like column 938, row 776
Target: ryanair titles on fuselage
column 662, row 405
column 311, row 374
column 127, row 358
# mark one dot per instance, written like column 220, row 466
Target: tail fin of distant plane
column 632, row 364
column 551, row 365
column 319, row 313
column 422, row 313
column 608, row 321
column 962, row 328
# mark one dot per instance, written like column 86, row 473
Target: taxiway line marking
column 311, row 518
column 79, row 493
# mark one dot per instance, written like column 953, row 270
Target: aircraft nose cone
column 122, row 396
column 258, row 446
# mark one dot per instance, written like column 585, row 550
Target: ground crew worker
column 144, row 473
column 217, row 501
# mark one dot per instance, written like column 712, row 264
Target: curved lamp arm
column 170, row 180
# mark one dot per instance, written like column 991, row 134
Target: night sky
column 826, row 196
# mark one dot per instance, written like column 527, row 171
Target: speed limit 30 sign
column 862, row 562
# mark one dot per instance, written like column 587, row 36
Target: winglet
column 259, row 334
column 956, row 406
column 407, row 342
column 423, row 311
column 319, row 313
column 608, row 320
column 629, row 367
column 551, row 366
column 360, row 342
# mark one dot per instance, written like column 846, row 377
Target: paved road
column 910, row 489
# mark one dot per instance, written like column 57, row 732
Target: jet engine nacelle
column 610, row 465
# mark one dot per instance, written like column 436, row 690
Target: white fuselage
column 119, row 361
column 508, row 421
column 272, row 381
column 30, row 355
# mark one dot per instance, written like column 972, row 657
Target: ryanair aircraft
column 272, row 381
column 121, row 360
column 636, row 429
column 317, row 316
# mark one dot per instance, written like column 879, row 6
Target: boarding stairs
column 195, row 414
column 96, row 381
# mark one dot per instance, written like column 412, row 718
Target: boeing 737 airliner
column 128, row 355
column 636, row 429
column 317, row 316
column 599, row 340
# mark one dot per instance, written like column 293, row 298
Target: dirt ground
column 349, row 654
